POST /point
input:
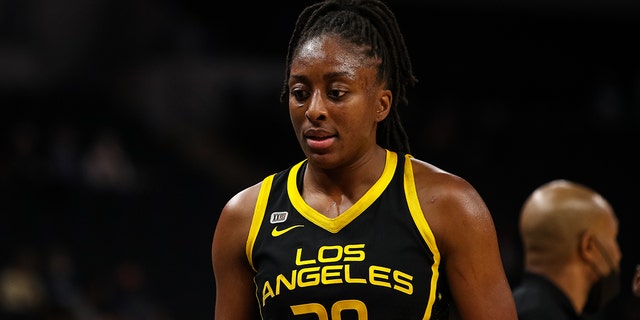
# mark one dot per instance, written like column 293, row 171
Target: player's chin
column 323, row 158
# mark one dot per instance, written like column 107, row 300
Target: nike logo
column 276, row 233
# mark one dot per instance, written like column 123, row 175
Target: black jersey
column 377, row 260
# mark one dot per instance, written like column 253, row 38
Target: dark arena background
column 126, row 125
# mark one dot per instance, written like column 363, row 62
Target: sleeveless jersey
column 377, row 260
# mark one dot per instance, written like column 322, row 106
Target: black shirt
column 537, row 298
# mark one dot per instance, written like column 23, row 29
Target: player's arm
column 467, row 240
column 235, row 294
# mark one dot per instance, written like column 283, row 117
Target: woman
column 359, row 229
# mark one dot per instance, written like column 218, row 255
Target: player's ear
column 384, row 104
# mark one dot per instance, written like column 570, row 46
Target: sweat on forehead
column 333, row 46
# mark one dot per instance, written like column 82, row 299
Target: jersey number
column 336, row 309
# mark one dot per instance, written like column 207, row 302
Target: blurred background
column 126, row 125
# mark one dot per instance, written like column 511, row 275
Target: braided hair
column 369, row 24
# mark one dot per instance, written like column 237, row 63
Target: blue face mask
column 605, row 289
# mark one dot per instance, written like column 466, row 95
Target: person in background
column 359, row 228
column 571, row 253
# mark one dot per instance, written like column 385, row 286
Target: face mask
column 607, row 287
column 602, row 292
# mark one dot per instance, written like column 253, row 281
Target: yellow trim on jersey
column 425, row 230
column 334, row 225
column 258, row 215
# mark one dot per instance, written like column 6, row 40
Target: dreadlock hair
column 371, row 25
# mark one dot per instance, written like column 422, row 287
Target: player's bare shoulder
column 437, row 183
column 448, row 201
column 242, row 204
column 234, row 222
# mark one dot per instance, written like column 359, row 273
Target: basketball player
column 359, row 228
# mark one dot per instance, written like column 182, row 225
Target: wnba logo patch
column 279, row 216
